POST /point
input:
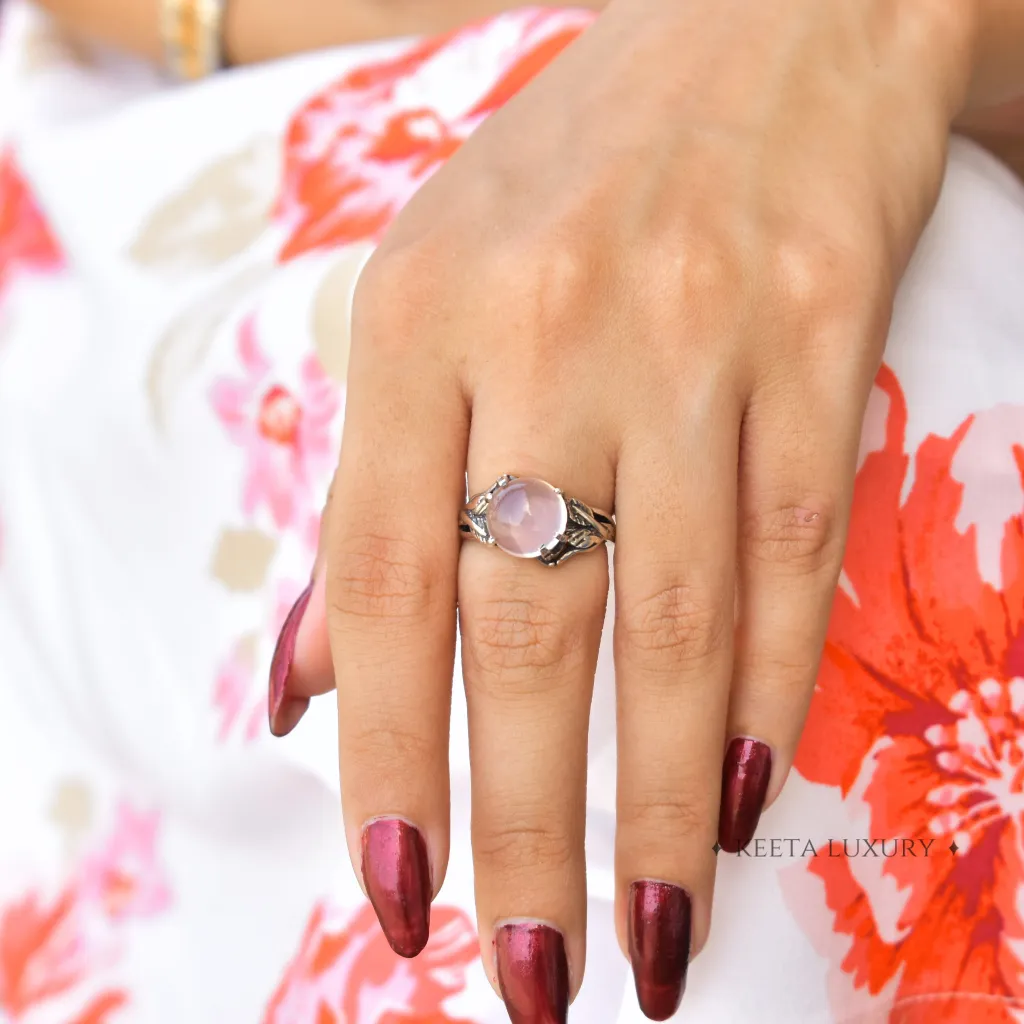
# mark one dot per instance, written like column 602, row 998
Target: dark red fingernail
column 281, row 666
column 659, row 946
column 396, row 872
column 745, row 777
column 533, row 973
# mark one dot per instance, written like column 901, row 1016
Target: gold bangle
column 191, row 31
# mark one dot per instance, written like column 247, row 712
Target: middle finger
column 674, row 586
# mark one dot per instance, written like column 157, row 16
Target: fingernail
column 533, row 973
column 280, row 667
column 396, row 873
column 659, row 946
column 745, row 777
column 289, row 714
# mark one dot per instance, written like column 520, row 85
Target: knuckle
column 672, row 623
column 390, row 748
column 773, row 674
column 378, row 576
column 548, row 282
column 516, row 846
column 825, row 276
column 514, row 637
column 805, row 537
column 395, row 293
column 708, row 267
column 677, row 274
column 667, row 816
column 673, row 285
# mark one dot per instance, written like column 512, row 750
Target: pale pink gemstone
column 525, row 515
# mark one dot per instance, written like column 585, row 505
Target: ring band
column 530, row 518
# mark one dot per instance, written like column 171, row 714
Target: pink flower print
column 287, row 593
column 122, row 878
column 346, row 973
column 358, row 151
column 284, row 430
column 233, row 694
column 239, row 701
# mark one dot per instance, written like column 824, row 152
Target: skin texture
column 676, row 310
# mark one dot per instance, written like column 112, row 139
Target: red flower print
column 63, row 947
column 358, row 151
column 42, row 954
column 285, row 431
column 25, row 240
column 346, row 973
column 918, row 716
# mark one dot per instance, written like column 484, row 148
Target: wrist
column 932, row 45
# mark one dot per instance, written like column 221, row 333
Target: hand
column 661, row 278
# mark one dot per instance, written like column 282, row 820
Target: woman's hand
column 660, row 277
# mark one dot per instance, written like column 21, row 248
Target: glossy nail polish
column 659, row 946
column 281, row 666
column 745, row 777
column 533, row 973
column 396, row 872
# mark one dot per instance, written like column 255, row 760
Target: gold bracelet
column 192, row 34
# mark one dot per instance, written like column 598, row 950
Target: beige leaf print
column 72, row 812
column 218, row 215
column 242, row 557
column 332, row 310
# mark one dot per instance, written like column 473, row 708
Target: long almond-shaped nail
column 659, row 946
column 745, row 777
column 284, row 715
column 533, row 973
column 396, row 872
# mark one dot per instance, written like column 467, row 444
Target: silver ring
column 530, row 518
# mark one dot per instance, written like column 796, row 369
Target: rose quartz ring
column 529, row 518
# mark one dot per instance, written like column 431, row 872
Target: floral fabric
column 176, row 272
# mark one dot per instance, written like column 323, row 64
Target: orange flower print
column 918, row 716
column 65, row 947
column 357, row 152
column 346, row 973
column 25, row 239
column 43, row 954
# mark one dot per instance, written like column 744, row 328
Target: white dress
column 171, row 261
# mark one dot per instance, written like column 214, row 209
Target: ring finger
column 530, row 641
